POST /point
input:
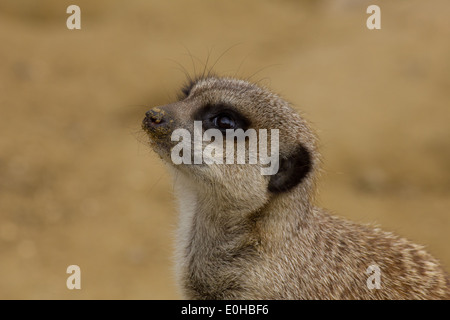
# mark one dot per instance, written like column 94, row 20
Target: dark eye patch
column 222, row 117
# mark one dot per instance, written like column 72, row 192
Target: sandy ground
column 78, row 184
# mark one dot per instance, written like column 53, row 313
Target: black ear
column 291, row 171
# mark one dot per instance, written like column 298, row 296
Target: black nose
column 155, row 117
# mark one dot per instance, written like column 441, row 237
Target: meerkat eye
column 222, row 117
column 224, row 121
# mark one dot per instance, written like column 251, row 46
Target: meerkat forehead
column 223, row 84
column 232, row 91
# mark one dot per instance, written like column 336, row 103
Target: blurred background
column 79, row 185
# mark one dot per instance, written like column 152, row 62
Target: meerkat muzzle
column 157, row 122
column 154, row 117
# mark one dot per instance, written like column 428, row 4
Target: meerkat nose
column 157, row 120
column 155, row 117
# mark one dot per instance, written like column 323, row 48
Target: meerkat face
column 204, row 134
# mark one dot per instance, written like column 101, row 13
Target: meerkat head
column 215, row 119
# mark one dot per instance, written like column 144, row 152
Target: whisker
column 262, row 69
column 206, row 64
column 218, row 59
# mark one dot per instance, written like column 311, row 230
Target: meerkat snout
column 154, row 117
column 246, row 232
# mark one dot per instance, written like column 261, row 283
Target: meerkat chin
column 246, row 235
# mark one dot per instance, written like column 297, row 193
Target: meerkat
column 244, row 235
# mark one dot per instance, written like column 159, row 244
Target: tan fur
column 237, row 240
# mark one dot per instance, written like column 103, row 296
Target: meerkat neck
column 208, row 243
column 279, row 220
column 212, row 243
column 214, row 238
column 204, row 217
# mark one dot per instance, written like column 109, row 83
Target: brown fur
column 238, row 240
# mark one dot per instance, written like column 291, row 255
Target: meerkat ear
column 292, row 170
